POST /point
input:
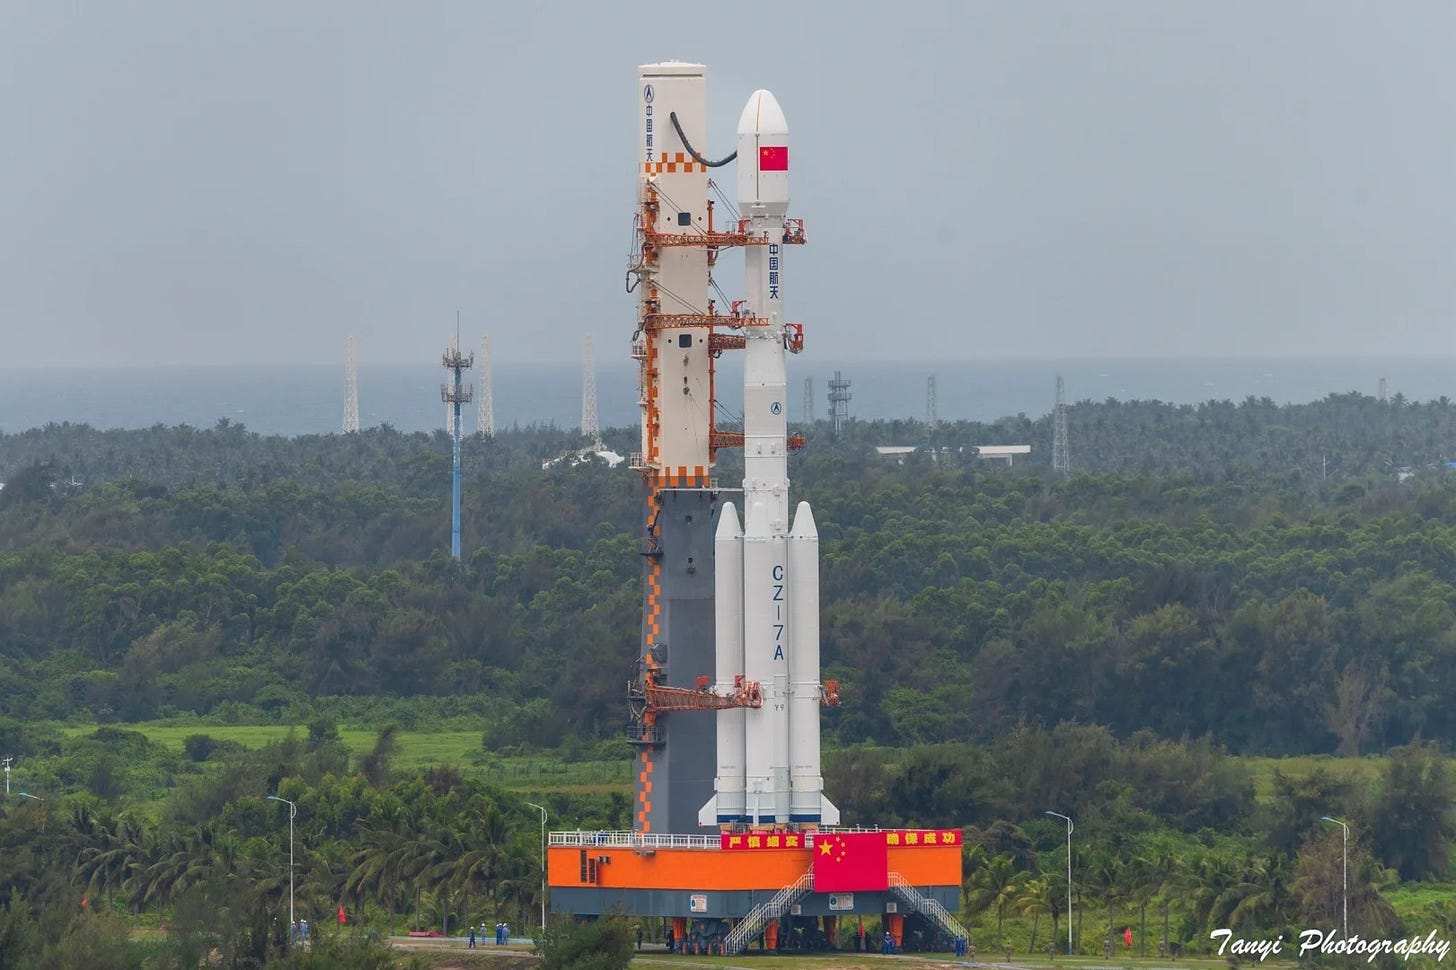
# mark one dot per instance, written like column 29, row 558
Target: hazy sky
column 198, row 182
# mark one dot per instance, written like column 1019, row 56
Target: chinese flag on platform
column 773, row 158
column 846, row 862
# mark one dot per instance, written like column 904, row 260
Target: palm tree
column 996, row 884
column 1039, row 896
column 1155, row 872
column 1103, row 873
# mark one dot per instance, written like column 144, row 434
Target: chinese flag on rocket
column 773, row 158
column 846, row 862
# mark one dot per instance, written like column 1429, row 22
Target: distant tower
column 1382, row 390
column 485, row 408
column 838, row 401
column 454, row 348
column 455, row 394
column 351, row 391
column 590, row 425
column 808, row 400
column 1061, row 461
column 932, row 415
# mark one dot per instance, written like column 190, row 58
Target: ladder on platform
column 759, row 917
column 931, row 909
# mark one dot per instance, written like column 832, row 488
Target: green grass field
column 417, row 750
column 1361, row 769
column 423, row 749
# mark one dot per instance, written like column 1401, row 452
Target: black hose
column 672, row 116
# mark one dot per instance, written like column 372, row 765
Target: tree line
column 956, row 603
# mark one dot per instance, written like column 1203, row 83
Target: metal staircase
column 931, row 909
column 759, row 917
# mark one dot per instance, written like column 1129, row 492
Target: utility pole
column 1069, row 872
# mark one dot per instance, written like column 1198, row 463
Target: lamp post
column 292, row 811
column 9, row 759
column 1069, row 878
column 1344, row 874
column 543, row 865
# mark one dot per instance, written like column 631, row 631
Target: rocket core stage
column 766, row 579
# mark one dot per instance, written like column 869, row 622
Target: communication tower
column 1061, row 461
column 808, row 400
column 351, row 391
column 839, row 401
column 455, row 394
column 1382, row 390
column 932, row 414
column 591, row 426
column 485, row 407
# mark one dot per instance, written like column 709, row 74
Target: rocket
column 767, row 573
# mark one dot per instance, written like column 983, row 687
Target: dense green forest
column 1273, row 612
column 1214, row 581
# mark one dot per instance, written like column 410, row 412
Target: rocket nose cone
column 762, row 116
column 728, row 527
column 804, row 526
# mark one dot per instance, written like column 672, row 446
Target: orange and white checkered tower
column 674, row 344
column 673, row 263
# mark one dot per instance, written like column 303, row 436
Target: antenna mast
column 1061, row 461
column 485, row 408
column 590, row 424
column 351, row 391
column 932, row 414
column 808, row 400
column 839, row 401
column 455, row 394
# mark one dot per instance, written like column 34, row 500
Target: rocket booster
column 768, row 758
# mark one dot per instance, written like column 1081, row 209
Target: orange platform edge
column 718, row 869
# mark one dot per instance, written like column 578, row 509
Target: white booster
column 774, row 762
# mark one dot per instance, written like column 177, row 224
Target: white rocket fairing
column 767, row 576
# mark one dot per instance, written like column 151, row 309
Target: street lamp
column 1344, row 874
column 543, row 866
column 26, row 794
column 1069, row 878
column 292, row 811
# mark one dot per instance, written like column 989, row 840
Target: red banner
column 763, row 840
column 924, row 837
column 851, row 862
column 894, row 838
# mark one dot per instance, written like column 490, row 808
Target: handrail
column 759, row 916
column 928, row 906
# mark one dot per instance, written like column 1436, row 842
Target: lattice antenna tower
column 591, row 426
column 839, row 401
column 454, row 394
column 351, row 391
column 808, row 400
column 1061, row 461
column 1382, row 390
column 932, row 412
column 485, row 407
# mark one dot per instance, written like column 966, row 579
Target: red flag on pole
column 1127, row 935
column 851, row 862
column 342, row 917
column 773, row 158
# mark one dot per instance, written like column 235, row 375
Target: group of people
column 299, row 933
column 502, row 934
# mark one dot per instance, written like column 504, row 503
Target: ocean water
column 295, row 400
